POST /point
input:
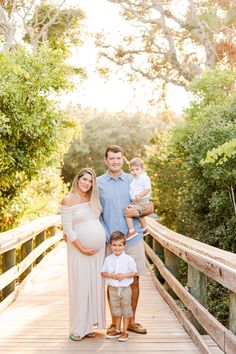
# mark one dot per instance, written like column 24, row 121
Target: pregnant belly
column 91, row 234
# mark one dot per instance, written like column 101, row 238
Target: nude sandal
column 75, row 338
column 91, row 335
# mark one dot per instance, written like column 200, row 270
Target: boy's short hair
column 113, row 148
column 118, row 236
column 136, row 161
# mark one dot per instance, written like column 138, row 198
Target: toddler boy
column 140, row 188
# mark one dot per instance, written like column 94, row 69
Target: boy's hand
column 112, row 276
column 120, row 276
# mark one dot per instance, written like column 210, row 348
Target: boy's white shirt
column 138, row 184
column 119, row 264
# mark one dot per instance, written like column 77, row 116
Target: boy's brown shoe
column 124, row 336
column 114, row 333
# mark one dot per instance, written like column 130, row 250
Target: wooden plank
column 198, row 340
column 8, row 261
column 225, row 257
column 15, row 237
column 224, row 274
column 212, row 326
column 18, row 289
column 16, row 271
column 37, row 322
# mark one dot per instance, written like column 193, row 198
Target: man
column 114, row 186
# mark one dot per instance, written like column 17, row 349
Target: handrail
column 15, row 237
column 22, row 248
column 203, row 260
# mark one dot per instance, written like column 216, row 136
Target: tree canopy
column 131, row 131
column 174, row 41
column 196, row 198
column 33, row 131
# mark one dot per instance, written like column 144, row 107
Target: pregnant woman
column 80, row 213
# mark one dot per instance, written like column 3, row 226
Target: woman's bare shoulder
column 68, row 200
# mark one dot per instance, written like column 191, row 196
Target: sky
column 116, row 93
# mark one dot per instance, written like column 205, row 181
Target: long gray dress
column 86, row 286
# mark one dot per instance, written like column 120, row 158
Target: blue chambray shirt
column 114, row 197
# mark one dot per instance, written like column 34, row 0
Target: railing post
column 38, row 240
column 197, row 284
column 148, row 240
column 159, row 250
column 171, row 263
column 232, row 312
column 8, row 261
column 26, row 248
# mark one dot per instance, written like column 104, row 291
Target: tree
column 39, row 23
column 32, row 130
column 174, row 41
column 99, row 130
column 196, row 198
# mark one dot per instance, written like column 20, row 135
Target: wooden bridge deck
column 37, row 322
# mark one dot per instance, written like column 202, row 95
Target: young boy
column 140, row 188
column 119, row 269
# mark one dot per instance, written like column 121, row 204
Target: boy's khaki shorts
column 120, row 300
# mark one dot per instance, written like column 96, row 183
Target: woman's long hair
column 93, row 192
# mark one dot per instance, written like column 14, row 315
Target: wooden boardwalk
column 37, row 322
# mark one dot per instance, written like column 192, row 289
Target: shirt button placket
column 118, row 203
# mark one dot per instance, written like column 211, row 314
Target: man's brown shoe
column 137, row 328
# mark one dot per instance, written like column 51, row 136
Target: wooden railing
column 21, row 249
column 164, row 249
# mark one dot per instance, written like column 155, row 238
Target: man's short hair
column 113, row 148
column 118, row 236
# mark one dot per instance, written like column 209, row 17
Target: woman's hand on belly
column 88, row 251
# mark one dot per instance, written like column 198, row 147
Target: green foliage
column 61, row 27
column 191, row 197
column 222, row 153
column 218, row 301
column 193, row 169
column 32, row 130
column 132, row 132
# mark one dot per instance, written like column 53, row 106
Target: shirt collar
column 122, row 176
column 120, row 256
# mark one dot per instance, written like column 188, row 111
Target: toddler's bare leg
column 143, row 222
column 130, row 224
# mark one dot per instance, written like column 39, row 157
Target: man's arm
column 131, row 212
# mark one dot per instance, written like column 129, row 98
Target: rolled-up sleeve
column 67, row 222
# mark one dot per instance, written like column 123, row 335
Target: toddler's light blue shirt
column 114, row 197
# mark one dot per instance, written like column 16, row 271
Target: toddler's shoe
column 114, row 333
column 124, row 336
column 131, row 235
column 145, row 231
